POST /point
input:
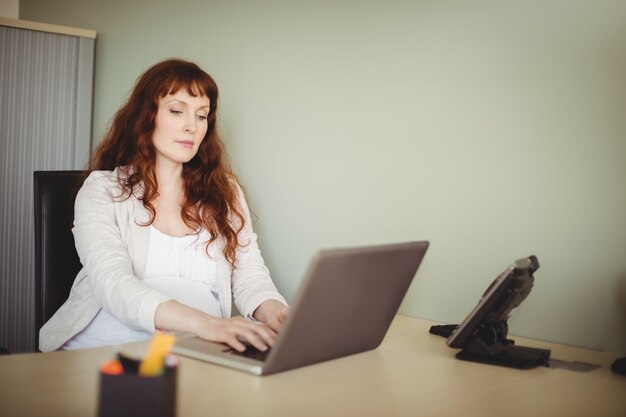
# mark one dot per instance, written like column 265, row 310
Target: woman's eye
column 176, row 111
column 201, row 117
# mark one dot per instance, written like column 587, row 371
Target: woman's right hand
column 236, row 331
column 174, row 316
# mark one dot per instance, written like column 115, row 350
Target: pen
column 153, row 363
column 112, row 367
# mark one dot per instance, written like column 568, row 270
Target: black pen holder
column 138, row 396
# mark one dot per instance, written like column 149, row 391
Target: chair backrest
column 56, row 260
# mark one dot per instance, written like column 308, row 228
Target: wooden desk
column 413, row 373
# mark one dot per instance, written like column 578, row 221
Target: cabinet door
column 45, row 124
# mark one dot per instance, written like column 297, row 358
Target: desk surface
column 411, row 373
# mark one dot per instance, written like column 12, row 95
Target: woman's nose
column 190, row 125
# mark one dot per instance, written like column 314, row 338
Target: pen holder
column 137, row 396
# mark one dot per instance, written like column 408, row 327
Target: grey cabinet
column 46, row 79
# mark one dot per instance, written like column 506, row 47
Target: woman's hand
column 273, row 313
column 174, row 316
column 236, row 331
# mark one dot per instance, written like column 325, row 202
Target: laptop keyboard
column 250, row 352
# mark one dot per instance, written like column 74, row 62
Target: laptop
column 344, row 306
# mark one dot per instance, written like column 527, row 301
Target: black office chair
column 56, row 260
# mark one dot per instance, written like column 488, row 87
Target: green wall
column 494, row 129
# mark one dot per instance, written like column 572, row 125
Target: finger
column 278, row 320
column 255, row 340
column 258, row 335
column 263, row 330
column 282, row 314
column 275, row 324
column 234, row 343
column 266, row 333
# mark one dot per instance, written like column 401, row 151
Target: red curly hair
column 211, row 193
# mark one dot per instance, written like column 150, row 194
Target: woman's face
column 180, row 126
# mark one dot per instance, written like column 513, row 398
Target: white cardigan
column 113, row 247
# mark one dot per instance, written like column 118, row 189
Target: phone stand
column 490, row 345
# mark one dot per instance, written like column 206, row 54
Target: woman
column 162, row 228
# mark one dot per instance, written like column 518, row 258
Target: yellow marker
column 153, row 363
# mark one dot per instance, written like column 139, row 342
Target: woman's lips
column 185, row 143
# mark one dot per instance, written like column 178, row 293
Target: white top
column 177, row 266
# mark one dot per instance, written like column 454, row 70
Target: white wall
column 494, row 129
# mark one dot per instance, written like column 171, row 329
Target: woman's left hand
column 273, row 313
